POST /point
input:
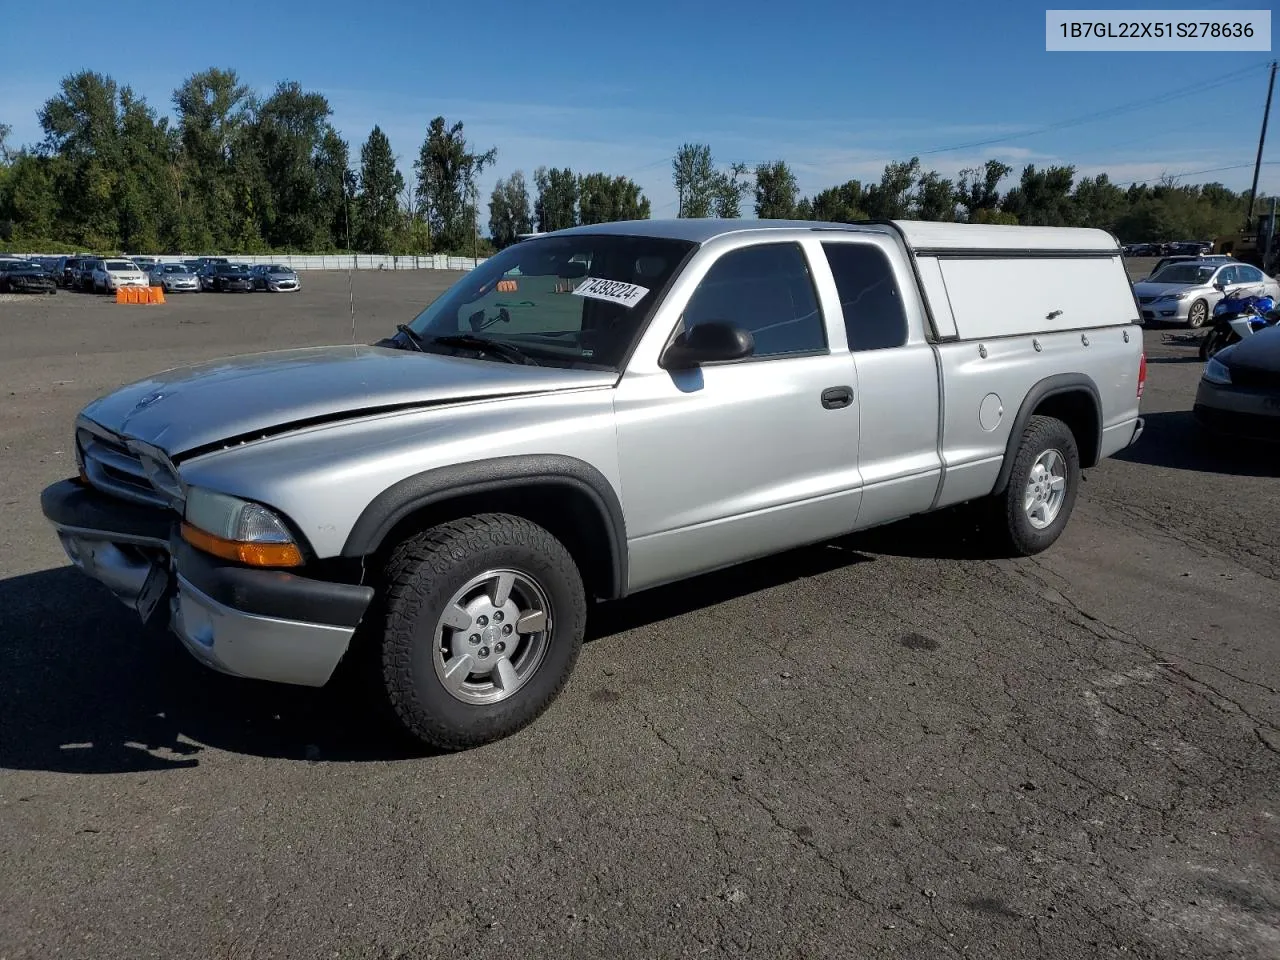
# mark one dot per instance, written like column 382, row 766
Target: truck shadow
column 1174, row 439
column 85, row 689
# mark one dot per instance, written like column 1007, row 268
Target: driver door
column 739, row 459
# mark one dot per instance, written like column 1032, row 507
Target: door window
column 768, row 291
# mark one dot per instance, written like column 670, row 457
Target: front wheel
column 1198, row 314
column 484, row 622
column 1033, row 510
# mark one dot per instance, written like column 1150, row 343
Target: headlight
column 1174, row 296
column 1217, row 372
column 239, row 530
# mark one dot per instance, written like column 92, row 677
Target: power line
column 1193, row 173
column 1106, row 114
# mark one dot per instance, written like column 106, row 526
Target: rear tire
column 1037, row 502
column 446, row 613
column 1214, row 341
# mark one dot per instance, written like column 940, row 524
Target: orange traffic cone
column 157, row 294
column 122, row 295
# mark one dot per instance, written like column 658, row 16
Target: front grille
column 115, row 469
column 1146, row 299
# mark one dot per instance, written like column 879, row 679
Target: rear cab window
column 874, row 315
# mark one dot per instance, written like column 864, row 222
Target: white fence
column 337, row 261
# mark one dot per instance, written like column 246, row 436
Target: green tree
column 776, row 191
column 891, row 198
column 381, row 184
column 509, row 214
column 291, row 136
column 935, row 198
column 214, row 111
column 447, row 169
column 979, row 188
column 729, row 188
column 557, row 205
column 1042, row 197
column 1097, row 202
column 605, row 199
column 695, row 180
column 842, row 204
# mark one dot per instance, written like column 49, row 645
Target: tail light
column 1142, row 374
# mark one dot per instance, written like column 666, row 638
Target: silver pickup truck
column 588, row 414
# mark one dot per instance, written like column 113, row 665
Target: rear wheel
column 484, row 622
column 1034, row 509
column 1215, row 340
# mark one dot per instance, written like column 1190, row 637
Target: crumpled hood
column 190, row 407
column 1162, row 289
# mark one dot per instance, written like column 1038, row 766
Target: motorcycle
column 1237, row 317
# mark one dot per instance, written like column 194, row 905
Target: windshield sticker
column 615, row 291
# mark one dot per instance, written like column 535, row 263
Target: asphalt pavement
column 894, row 745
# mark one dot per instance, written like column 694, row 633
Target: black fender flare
column 480, row 476
column 1048, row 387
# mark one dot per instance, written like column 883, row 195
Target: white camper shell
column 987, row 280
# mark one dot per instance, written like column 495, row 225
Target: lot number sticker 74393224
column 615, row 291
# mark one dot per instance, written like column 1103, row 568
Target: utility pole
column 1262, row 138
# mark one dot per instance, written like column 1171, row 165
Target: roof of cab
column 918, row 234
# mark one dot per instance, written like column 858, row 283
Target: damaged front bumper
column 262, row 624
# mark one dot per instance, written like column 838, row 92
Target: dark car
column 227, row 277
column 1239, row 392
column 23, row 276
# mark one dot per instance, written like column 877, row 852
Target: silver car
column 274, row 278
column 1187, row 292
column 175, row 278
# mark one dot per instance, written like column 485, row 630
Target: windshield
column 175, row 268
column 1183, row 273
column 276, row 268
column 578, row 299
column 121, row 265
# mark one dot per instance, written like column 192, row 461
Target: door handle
column 833, row 398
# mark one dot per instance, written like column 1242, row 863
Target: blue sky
column 836, row 88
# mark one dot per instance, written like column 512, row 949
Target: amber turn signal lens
column 253, row 554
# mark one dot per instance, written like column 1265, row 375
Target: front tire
column 484, row 623
column 1033, row 510
column 1198, row 314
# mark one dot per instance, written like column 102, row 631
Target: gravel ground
column 891, row 745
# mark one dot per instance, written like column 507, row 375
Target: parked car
column 274, row 278
column 228, row 277
column 706, row 392
column 1184, row 258
column 21, row 276
column 82, row 278
column 174, row 278
column 144, row 263
column 1239, row 392
column 1186, row 292
column 113, row 273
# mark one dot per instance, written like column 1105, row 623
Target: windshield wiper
column 412, row 336
column 484, row 344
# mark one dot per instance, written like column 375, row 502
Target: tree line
column 234, row 172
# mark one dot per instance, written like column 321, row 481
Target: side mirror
column 707, row 343
column 1220, row 286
